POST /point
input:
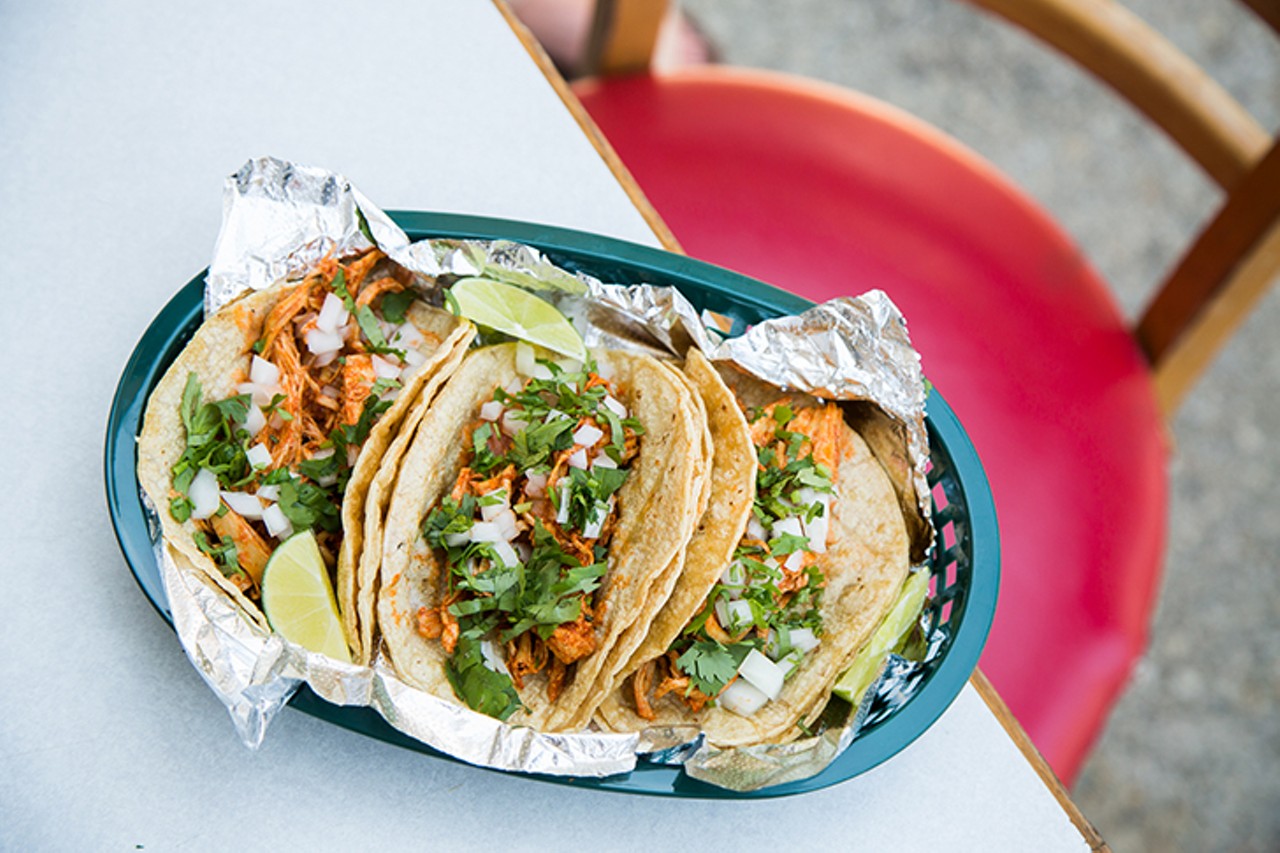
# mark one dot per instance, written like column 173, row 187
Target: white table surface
column 120, row 121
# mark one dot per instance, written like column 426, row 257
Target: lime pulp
column 518, row 313
column 298, row 598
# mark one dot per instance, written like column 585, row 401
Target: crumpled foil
column 280, row 219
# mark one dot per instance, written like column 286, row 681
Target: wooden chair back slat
column 623, row 36
column 1122, row 50
column 1215, row 285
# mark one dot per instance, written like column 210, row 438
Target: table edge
column 1029, row 751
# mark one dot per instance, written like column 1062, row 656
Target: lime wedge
column 516, row 312
column 298, row 598
column 901, row 617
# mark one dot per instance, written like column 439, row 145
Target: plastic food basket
column 965, row 562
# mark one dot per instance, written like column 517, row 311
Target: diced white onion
column 506, row 554
column 407, row 336
column 791, row 524
column 817, row 530
column 513, row 420
column 277, row 523
column 765, row 675
column 739, row 616
column 587, row 435
column 454, row 540
column 326, row 359
column 384, row 369
column 263, row 372
column 603, row 460
column 414, row 358
column 514, row 386
column 614, row 406
column 806, row 496
column 258, row 455
column 320, row 342
column 596, row 522
column 804, row 640
column 261, row 394
column 734, row 575
column 254, row 421
column 773, row 643
column 535, row 485
column 526, row 359
column 506, row 521
column 742, row 699
column 269, row 493
column 490, row 511
column 772, row 563
column 244, row 504
column 492, row 657
column 203, row 493
column 555, row 415
column 791, row 662
column 541, row 371
column 330, row 392
column 578, row 459
column 794, row 561
column 722, row 612
column 332, row 314
column 487, row 531
column 562, row 514
column 491, row 411
column 755, row 530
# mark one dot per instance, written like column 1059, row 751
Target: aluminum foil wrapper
column 280, row 219
column 254, row 672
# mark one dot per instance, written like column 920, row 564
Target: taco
column 819, row 563
column 722, row 519
column 532, row 517
column 277, row 414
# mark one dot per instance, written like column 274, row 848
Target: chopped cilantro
column 224, row 555
column 483, row 690
column 535, row 445
column 788, row 543
column 588, row 493
column 712, row 666
column 180, row 508
column 213, row 441
column 484, row 461
column 307, row 505
column 364, row 315
column 273, row 408
column 394, row 305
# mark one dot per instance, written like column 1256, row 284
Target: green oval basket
column 965, row 562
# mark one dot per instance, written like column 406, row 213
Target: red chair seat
column 825, row 192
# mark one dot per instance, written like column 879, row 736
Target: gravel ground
column 1189, row 758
